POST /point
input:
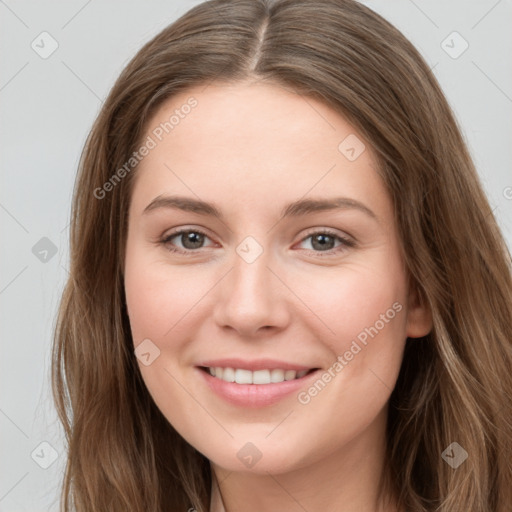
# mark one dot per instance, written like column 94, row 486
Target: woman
column 213, row 351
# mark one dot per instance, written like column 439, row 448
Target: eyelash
column 345, row 242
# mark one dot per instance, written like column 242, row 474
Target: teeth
column 276, row 375
column 228, row 374
column 241, row 376
column 257, row 377
column 261, row 377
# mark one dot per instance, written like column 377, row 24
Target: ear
column 419, row 316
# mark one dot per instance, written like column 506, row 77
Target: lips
column 255, row 383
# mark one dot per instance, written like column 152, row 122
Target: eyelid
column 329, row 231
column 184, row 229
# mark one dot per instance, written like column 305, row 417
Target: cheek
column 159, row 302
column 364, row 313
column 350, row 302
column 159, row 296
column 363, row 323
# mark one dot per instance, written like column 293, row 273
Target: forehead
column 241, row 143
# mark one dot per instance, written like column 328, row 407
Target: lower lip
column 254, row 395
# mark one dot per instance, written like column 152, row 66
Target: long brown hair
column 455, row 384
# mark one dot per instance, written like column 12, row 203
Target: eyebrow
column 294, row 209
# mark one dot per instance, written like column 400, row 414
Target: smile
column 259, row 387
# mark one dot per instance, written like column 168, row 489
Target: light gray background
column 47, row 108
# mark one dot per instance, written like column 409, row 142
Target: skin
column 251, row 148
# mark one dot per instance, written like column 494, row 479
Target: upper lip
column 255, row 364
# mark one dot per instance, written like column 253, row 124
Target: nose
column 252, row 298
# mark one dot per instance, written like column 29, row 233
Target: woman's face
column 291, row 263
